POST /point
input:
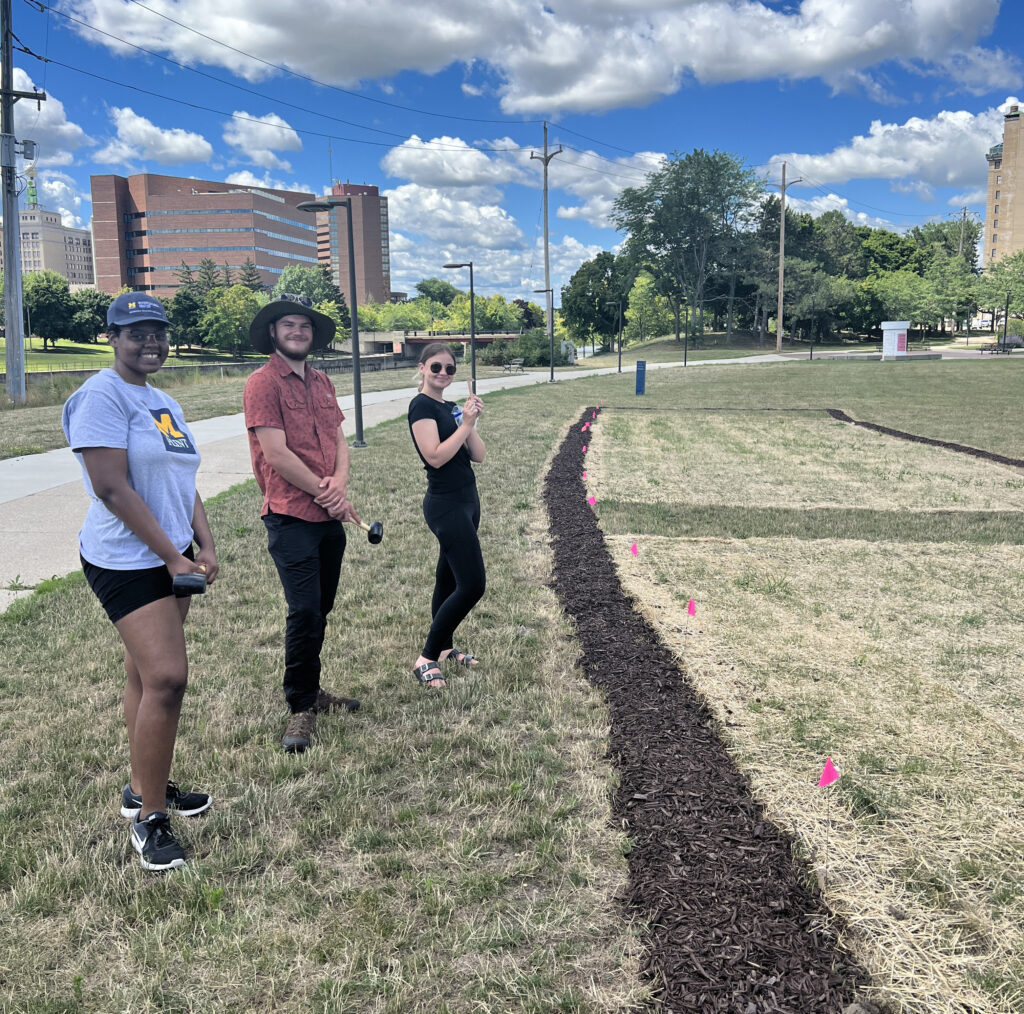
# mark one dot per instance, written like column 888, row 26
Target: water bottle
column 457, row 414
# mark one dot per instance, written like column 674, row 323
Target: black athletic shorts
column 123, row 591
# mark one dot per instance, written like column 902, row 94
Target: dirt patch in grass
column 733, row 923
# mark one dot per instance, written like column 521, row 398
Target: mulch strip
column 733, row 925
column 974, row 452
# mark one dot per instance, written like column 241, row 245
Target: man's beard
column 295, row 357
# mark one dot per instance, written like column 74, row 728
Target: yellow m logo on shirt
column 165, row 424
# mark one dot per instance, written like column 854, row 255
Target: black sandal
column 421, row 673
column 465, row 658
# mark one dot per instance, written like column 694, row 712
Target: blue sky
column 885, row 108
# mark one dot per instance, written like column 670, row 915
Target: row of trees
column 212, row 308
column 439, row 306
column 702, row 247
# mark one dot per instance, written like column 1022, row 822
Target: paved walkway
column 43, row 502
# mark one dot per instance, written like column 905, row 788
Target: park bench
column 514, row 366
column 997, row 347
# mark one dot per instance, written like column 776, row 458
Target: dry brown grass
column 793, row 460
column 900, row 660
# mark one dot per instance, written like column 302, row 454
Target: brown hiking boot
column 329, row 702
column 299, row 732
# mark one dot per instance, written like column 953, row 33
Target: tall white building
column 49, row 245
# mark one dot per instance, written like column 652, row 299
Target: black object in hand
column 188, row 584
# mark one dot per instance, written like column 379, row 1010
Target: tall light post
column 551, row 329
column 325, row 204
column 618, row 303
column 472, row 320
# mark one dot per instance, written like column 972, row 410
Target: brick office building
column 49, row 245
column 144, row 226
column 370, row 239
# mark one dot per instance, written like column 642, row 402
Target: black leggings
column 460, row 580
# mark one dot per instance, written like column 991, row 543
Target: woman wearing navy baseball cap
column 139, row 463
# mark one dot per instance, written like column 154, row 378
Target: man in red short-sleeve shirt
column 300, row 459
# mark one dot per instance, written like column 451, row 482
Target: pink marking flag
column 584, row 475
column 691, row 608
column 633, row 549
column 593, row 415
column 591, row 500
column 584, row 448
column 829, row 774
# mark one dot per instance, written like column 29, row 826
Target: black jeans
column 460, row 579
column 308, row 557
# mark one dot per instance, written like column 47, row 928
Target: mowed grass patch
column 896, row 654
column 441, row 852
column 791, row 460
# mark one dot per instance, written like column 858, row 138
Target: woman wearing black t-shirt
column 447, row 442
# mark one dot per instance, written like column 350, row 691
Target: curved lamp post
column 325, row 204
column 472, row 319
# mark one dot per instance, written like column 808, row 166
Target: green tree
column 585, row 300
column 649, row 313
column 1003, row 281
column 683, row 220
column 88, row 314
column 184, row 274
column 185, row 311
column 229, row 312
column 533, row 315
column 48, row 305
column 227, row 281
column 902, row 295
column 314, row 282
column 208, row 278
column 437, row 290
column 250, row 276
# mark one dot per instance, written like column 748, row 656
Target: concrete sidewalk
column 43, row 502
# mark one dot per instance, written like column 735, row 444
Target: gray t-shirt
column 106, row 411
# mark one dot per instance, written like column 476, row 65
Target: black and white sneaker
column 154, row 840
column 184, row 804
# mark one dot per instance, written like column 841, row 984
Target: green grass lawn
column 437, row 852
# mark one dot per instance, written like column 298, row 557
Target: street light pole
column 551, row 330
column 472, row 320
column 325, row 204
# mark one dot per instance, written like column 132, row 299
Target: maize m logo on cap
column 175, row 439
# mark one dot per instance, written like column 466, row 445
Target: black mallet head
column 188, row 584
column 374, row 533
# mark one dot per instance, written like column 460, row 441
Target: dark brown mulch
column 974, row 452
column 732, row 925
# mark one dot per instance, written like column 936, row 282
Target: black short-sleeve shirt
column 457, row 474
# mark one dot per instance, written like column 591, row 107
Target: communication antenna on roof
column 330, row 161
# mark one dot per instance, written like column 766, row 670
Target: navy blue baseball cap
column 132, row 307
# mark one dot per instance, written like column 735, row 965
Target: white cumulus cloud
column 581, row 55
column 245, row 178
column 141, row 140
column 48, row 125
column 59, row 192
column 256, row 138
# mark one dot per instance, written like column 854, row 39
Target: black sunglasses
column 448, row 368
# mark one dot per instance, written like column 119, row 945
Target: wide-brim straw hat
column 324, row 327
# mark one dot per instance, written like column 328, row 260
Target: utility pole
column 782, row 253
column 15, row 359
column 546, row 158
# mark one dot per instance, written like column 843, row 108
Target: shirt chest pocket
column 294, row 401
column 325, row 398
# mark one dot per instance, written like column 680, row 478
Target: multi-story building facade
column 370, row 239
column 1004, row 214
column 49, row 245
column 145, row 226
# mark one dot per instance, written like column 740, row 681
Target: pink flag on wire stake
column 591, row 500
column 593, row 415
column 633, row 549
column 691, row 608
column 584, row 448
column 829, row 774
column 584, row 475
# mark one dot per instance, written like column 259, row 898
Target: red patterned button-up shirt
column 307, row 410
